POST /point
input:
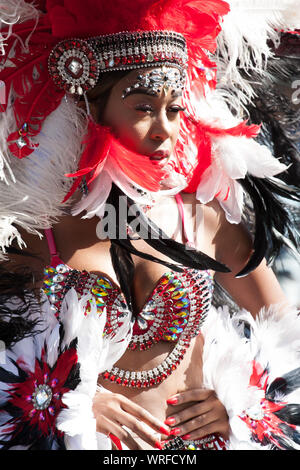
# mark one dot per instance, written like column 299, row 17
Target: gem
column 58, row 278
column 182, row 303
column 147, row 315
column 142, row 323
column 255, row 412
column 104, row 283
column 42, row 397
column 75, row 67
column 99, row 292
column 53, row 298
column 21, row 142
column 182, row 313
column 178, row 294
column 173, row 329
column 180, row 322
column 56, row 288
column 62, row 268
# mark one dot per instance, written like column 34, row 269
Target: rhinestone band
column 127, row 50
column 210, row 442
column 75, row 64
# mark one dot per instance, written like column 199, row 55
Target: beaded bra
column 173, row 312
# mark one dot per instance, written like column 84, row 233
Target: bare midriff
column 187, row 376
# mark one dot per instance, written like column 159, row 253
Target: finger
column 124, row 436
column 142, row 414
column 138, row 429
column 196, row 423
column 211, row 428
column 184, row 415
column 197, row 394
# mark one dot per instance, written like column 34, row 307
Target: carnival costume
column 53, row 54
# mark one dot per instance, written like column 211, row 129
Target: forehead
column 152, row 81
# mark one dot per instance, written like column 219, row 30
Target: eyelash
column 147, row 107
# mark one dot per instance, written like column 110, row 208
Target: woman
column 149, row 390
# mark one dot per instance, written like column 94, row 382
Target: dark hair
column 99, row 95
column 19, row 302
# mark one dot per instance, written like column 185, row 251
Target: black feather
column 286, row 384
column 290, row 414
column 271, row 216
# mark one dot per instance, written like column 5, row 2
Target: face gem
column 159, row 79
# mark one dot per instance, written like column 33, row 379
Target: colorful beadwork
column 174, row 312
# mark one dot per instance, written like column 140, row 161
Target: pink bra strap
column 189, row 238
column 55, row 259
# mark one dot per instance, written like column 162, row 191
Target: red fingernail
column 175, row 431
column 159, row 445
column 186, row 437
column 170, row 421
column 172, row 401
column 165, row 431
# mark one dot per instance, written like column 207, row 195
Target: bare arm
column 258, row 289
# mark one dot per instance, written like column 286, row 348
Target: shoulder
column 232, row 242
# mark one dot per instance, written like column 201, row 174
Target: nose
column 161, row 128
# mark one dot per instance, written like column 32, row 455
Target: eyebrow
column 138, row 91
column 146, row 91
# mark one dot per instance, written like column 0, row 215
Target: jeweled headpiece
column 75, row 64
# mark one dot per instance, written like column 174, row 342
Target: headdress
column 60, row 48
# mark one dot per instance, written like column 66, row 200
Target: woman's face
column 145, row 123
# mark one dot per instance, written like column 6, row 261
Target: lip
column 160, row 155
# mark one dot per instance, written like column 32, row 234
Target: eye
column 144, row 107
column 176, row 109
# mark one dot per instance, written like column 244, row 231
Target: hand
column 112, row 411
column 205, row 415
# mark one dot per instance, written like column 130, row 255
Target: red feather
column 100, row 144
column 36, row 94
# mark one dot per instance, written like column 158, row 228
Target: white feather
column 33, row 200
column 243, row 43
column 228, row 357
